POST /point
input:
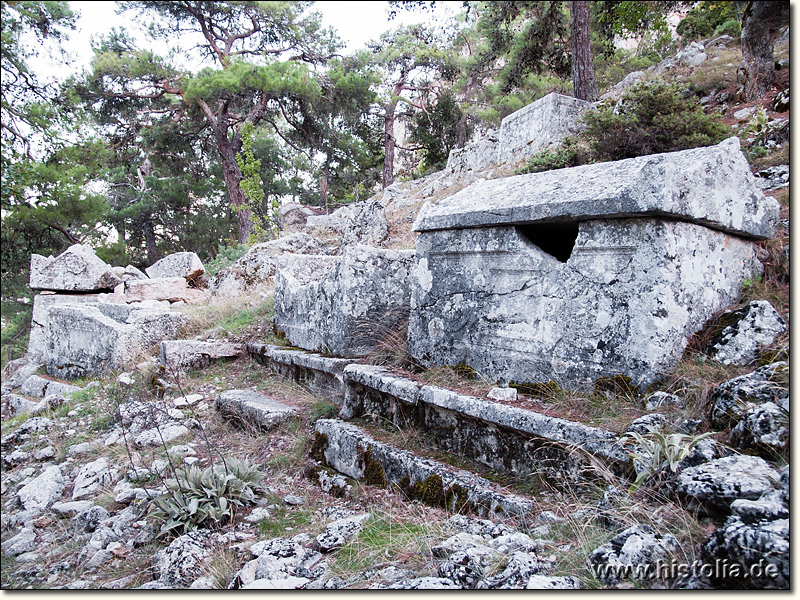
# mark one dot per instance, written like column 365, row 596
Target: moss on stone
column 537, row 389
column 373, row 470
column 465, row 371
column 319, row 446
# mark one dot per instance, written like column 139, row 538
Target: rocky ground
column 83, row 465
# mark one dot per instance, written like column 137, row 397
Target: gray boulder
column 339, row 532
column 658, row 400
column 751, row 329
column 735, row 397
column 43, row 491
column 170, row 289
column 716, row 484
column 476, row 156
column 42, row 303
column 183, row 561
column 77, row 269
column 178, row 355
column 253, row 272
column 693, row 55
column 180, row 264
column 92, row 477
column 773, row 178
column 343, row 305
column 253, row 409
column 24, row 541
column 544, row 582
column 18, row 405
column 34, row 386
column 630, row 553
column 764, row 428
column 367, row 226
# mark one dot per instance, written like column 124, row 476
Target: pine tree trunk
column 583, row 80
column 233, row 179
column 388, row 146
column 758, row 63
column 150, row 242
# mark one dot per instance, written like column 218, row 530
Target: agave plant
column 654, row 451
column 200, row 498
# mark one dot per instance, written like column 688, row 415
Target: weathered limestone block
column 77, row 269
column 93, row 339
column 180, row 264
column 253, row 272
column 478, row 155
column 343, row 305
column 544, row 122
column 41, row 307
column 577, row 275
column 193, row 354
column 335, row 221
column 367, row 226
column 711, row 186
column 172, row 289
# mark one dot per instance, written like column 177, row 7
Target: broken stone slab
column 751, row 329
column 540, row 124
column 710, row 186
column 95, row 339
column 335, row 221
column 320, row 374
column 185, row 354
column 24, row 541
column 555, row 430
column 636, row 290
column 254, row 271
column 77, row 269
column 351, row 451
column 172, row 289
column 92, row 477
column 43, row 491
column 179, row 264
column 347, row 305
column 254, row 409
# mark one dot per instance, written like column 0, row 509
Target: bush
column 650, row 118
column 227, row 255
column 705, row 18
column 694, row 26
column 730, row 27
column 568, row 154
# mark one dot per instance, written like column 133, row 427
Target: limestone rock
column 773, row 178
column 367, row 226
column 172, row 289
column 253, row 272
column 18, row 405
column 162, row 434
column 716, row 484
column 183, row 561
column 92, row 477
column 658, row 400
column 426, row 583
column 335, row 222
column 24, row 541
column 253, row 408
column 638, row 546
column 77, row 269
column 544, row 122
column 765, row 428
column 37, row 344
column 544, row 582
column 475, row 156
column 34, row 386
column 751, row 329
column 711, row 186
column 339, row 532
column 734, row 397
column 293, row 216
column 43, row 491
column 693, row 55
column 184, row 354
column 180, row 264
column 345, row 305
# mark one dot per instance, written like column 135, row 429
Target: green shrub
column 226, row 256
column 568, row 154
column 198, row 498
column 730, row 27
column 705, row 18
column 651, row 118
column 694, row 26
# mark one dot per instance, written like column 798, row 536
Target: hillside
column 427, row 483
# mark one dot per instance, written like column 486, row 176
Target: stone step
column 505, row 438
column 319, row 374
column 350, row 450
column 252, row 408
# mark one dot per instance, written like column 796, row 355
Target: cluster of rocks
column 90, row 318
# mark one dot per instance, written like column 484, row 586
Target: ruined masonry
column 590, row 272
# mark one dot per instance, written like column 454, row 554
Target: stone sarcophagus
column 590, row 272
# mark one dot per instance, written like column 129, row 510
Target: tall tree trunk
column 583, row 80
column 758, row 63
column 462, row 123
column 233, row 180
column 150, row 241
column 388, row 145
